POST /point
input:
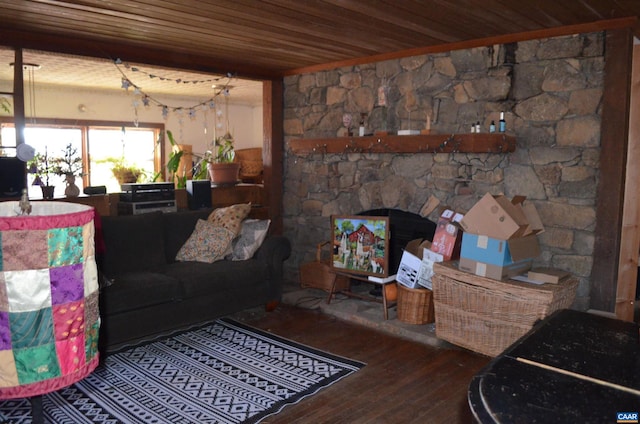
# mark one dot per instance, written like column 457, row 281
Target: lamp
column 49, row 318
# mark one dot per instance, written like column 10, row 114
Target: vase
column 47, row 192
column 72, row 189
column 224, row 173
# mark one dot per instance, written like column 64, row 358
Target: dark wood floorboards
column 403, row 381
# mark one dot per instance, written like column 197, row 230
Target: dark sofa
column 145, row 293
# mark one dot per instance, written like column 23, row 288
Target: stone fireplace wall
column 550, row 91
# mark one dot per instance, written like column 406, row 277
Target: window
column 102, row 147
column 127, row 147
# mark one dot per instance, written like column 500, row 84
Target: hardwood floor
column 403, row 381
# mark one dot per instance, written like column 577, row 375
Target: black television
column 12, row 177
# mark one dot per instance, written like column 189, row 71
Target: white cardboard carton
column 413, row 271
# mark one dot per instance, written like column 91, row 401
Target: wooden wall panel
column 630, row 237
column 273, row 150
column 613, row 159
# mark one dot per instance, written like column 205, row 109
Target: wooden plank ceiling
column 271, row 38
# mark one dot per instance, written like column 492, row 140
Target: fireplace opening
column 403, row 227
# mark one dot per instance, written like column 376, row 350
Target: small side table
column 386, row 304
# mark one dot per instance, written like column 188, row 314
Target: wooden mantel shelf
column 431, row 143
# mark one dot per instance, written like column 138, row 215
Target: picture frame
column 360, row 244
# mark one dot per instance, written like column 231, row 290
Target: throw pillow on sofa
column 208, row 243
column 230, row 217
column 252, row 234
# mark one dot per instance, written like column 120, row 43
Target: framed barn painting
column 360, row 244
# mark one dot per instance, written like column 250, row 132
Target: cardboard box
column 534, row 223
column 499, row 252
column 547, row 275
column 412, row 269
column 492, row 271
column 426, row 267
column 500, row 237
column 500, row 218
column 447, row 239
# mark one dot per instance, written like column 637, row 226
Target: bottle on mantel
column 502, row 124
column 361, row 130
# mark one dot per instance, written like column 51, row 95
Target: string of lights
column 147, row 99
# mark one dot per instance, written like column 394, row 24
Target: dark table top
column 571, row 367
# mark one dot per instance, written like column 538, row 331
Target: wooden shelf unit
column 107, row 204
column 423, row 143
column 230, row 195
column 101, row 202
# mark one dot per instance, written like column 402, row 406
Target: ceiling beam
column 604, row 25
column 128, row 53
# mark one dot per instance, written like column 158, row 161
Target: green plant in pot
column 68, row 165
column 125, row 173
column 5, row 104
column 220, row 161
column 173, row 164
column 41, row 169
column 224, row 152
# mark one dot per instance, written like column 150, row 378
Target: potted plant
column 68, row 165
column 5, row 104
column 40, row 166
column 124, row 172
column 220, row 161
column 173, row 164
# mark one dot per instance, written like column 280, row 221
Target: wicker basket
column 415, row 306
column 486, row 315
column 250, row 161
column 318, row 275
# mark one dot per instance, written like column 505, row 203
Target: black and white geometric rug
column 223, row 373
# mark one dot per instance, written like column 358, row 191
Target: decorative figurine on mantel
column 24, row 203
column 411, row 104
column 346, row 121
column 427, row 128
column 383, row 89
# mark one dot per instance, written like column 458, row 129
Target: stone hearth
column 368, row 314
